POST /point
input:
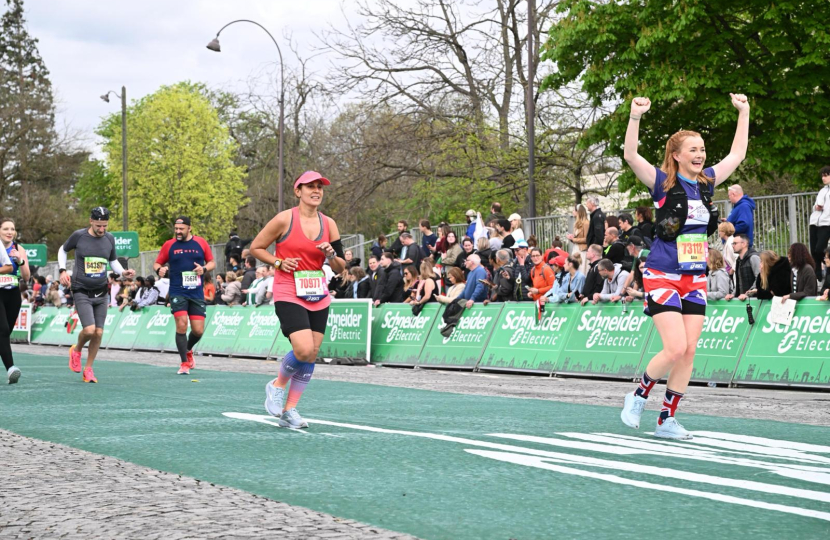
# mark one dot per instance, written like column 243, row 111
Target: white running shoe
column 292, row 419
column 274, row 399
column 14, row 374
column 671, row 429
column 632, row 410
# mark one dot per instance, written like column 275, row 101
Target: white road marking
column 763, row 441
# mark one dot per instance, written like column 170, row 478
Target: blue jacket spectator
column 475, row 290
column 471, row 223
column 741, row 215
column 428, row 238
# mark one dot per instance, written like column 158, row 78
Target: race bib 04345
column 310, row 285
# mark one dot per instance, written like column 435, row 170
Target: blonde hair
column 726, row 228
column 427, row 267
column 715, row 260
column 581, row 213
column 482, row 244
column 673, row 145
column 230, row 275
column 768, row 258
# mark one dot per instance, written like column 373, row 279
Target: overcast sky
column 91, row 47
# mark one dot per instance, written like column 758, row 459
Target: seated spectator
column 360, row 286
column 208, row 287
column 476, row 288
column 627, row 228
column 774, row 278
column 54, row 297
column 232, row 291
column 265, row 292
column 593, row 281
column 410, row 283
column 378, row 246
column 532, row 241
column 634, row 289
column 747, row 267
column 350, row 259
column 453, row 251
column 427, row 287
column 825, row 287
column 115, row 289
column 339, row 285
column 803, row 280
column 558, row 267
column 148, row 298
column 725, row 232
column 614, row 249
column 390, row 286
column 570, row 289
column 718, row 284
column 541, row 275
column 613, row 286
column 483, row 253
column 456, row 277
column 440, row 246
column 220, row 288
column 251, row 291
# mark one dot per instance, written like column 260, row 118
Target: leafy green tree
column 180, row 162
column 686, row 56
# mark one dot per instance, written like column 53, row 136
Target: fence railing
column 780, row 220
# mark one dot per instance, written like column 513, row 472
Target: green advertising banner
column 22, row 325
column 126, row 243
column 111, row 322
column 223, row 325
column 465, row 345
column 281, row 346
column 40, row 322
column 54, row 332
column 127, row 329
column 348, row 330
column 35, row 253
column 398, row 336
column 793, row 355
column 158, row 329
column 520, row 342
column 606, row 342
column 259, row 330
column 725, row 331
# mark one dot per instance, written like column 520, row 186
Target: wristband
column 61, row 271
column 634, row 117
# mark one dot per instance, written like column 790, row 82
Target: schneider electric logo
column 345, row 326
column 123, row 242
column 807, row 333
column 611, row 330
column 528, row 331
column 226, row 324
column 404, row 327
column 469, row 329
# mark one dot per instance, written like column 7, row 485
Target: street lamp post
column 214, row 46
column 531, row 114
column 123, row 96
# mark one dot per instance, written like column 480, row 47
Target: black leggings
column 10, row 302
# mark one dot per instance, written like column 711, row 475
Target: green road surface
column 439, row 465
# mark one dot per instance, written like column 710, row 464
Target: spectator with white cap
column 516, row 226
column 471, row 222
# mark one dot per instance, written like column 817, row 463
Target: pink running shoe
column 89, row 376
column 74, row 359
column 183, row 369
column 190, row 363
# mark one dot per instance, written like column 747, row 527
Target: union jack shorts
column 681, row 293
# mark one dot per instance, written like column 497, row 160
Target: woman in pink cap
column 305, row 239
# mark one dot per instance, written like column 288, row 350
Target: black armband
column 337, row 246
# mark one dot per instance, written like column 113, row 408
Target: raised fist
column 640, row 106
column 740, row 102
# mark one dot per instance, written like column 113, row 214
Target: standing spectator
column 234, row 247
column 747, row 267
column 825, row 287
column 450, row 258
column 593, row 281
column 820, row 221
column 596, row 225
column 379, row 246
column 375, row 274
column 644, row 221
column 428, row 238
column 207, row 285
column 718, row 283
column 521, row 252
column 741, row 215
column 361, row 287
column 774, row 278
column 504, row 283
column 467, row 249
column 495, row 213
column 726, row 233
column 233, row 264
column 410, row 252
column 397, row 245
column 516, row 227
column 251, row 291
column 115, row 289
column 54, row 296
column 456, row 277
column 613, row 286
column 483, row 253
column 613, row 248
column 532, row 241
column 232, row 294
column 542, row 276
column 250, row 274
column 350, row 259
column 501, row 238
column 265, row 292
column 339, row 284
column 390, row 288
column 579, row 237
column 634, row 286
column 471, row 222
column 475, row 290
column 612, row 221
column 803, row 277
column 627, row 228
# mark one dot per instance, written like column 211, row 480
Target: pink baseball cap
column 311, row 176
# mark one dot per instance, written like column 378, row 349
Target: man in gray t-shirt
column 94, row 248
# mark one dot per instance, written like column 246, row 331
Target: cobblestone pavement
column 53, row 491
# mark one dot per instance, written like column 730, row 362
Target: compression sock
column 299, row 381
column 670, row 403
column 181, row 346
column 646, row 384
column 192, row 340
column 288, row 367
